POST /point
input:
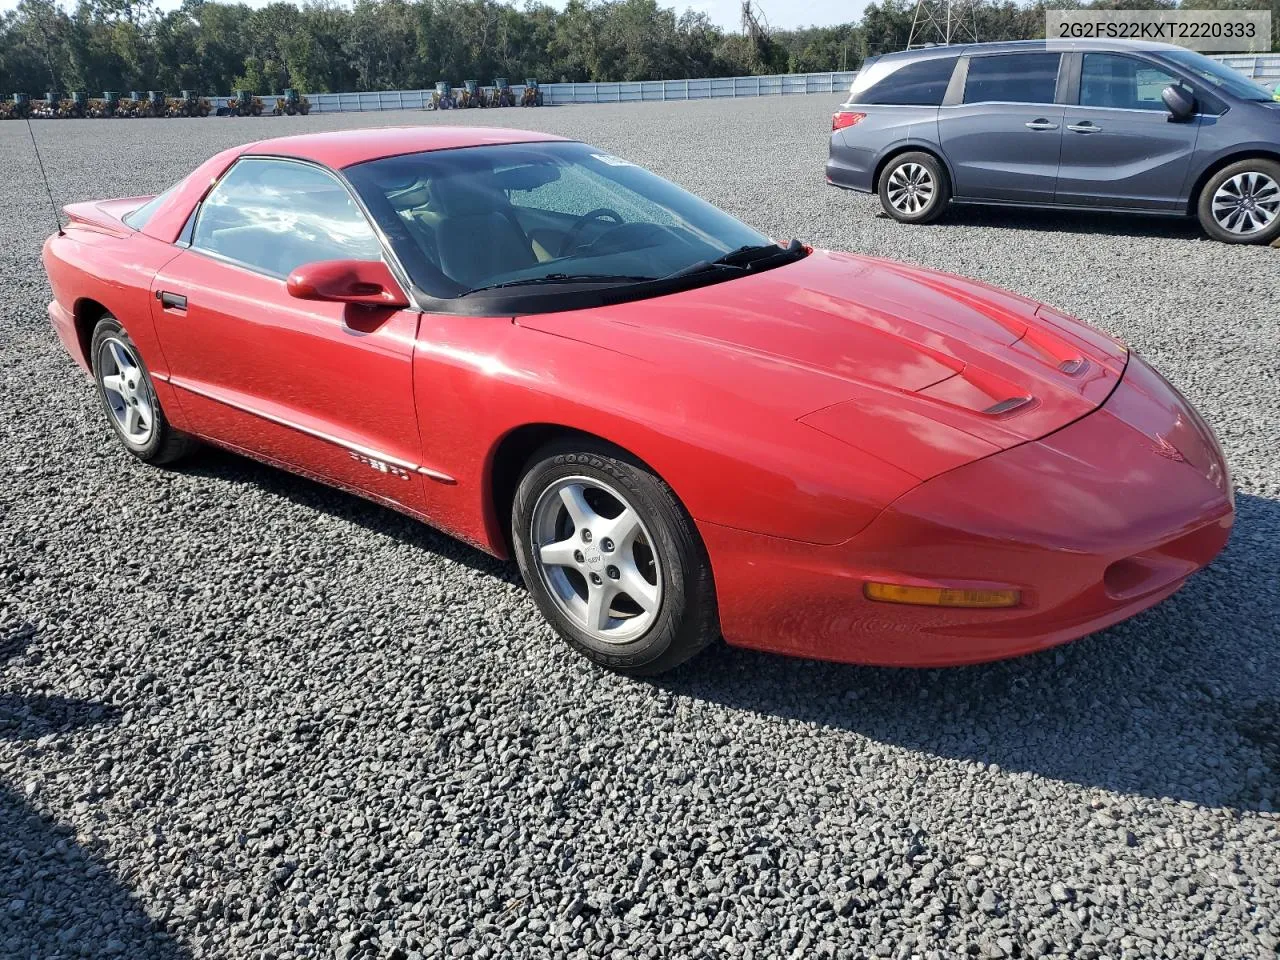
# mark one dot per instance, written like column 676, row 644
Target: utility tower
column 943, row 21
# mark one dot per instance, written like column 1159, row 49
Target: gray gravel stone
column 283, row 721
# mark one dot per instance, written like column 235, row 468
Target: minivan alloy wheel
column 911, row 188
column 1247, row 203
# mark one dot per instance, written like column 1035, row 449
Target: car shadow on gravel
column 222, row 465
column 1168, row 704
column 1073, row 221
column 58, row 898
column 1179, row 702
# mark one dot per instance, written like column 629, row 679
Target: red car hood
column 919, row 368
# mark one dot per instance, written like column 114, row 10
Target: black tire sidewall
column 1205, row 202
column 109, row 327
column 941, row 195
column 686, row 620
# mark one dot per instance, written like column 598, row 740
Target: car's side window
column 919, row 83
column 276, row 215
column 1012, row 78
column 1120, row 82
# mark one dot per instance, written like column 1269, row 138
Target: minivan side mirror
column 1179, row 101
column 368, row 282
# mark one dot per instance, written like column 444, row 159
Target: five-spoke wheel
column 612, row 558
column 128, row 397
column 596, row 558
column 125, row 390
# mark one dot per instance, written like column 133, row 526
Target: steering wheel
column 570, row 241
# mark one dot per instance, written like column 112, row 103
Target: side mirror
column 1179, row 101
column 369, row 282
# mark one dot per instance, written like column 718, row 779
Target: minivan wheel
column 914, row 188
column 1241, row 202
column 612, row 559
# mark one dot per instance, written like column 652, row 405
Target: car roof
column 1015, row 46
column 343, row 148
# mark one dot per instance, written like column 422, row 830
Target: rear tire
column 128, row 397
column 914, row 188
column 1241, row 202
column 612, row 559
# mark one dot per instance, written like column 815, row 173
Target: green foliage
column 320, row 46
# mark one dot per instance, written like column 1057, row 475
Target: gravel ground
column 244, row 716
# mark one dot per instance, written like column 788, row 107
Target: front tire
column 612, row 559
column 1241, row 203
column 914, row 188
column 129, row 398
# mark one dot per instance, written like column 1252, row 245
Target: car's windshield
column 1219, row 74
column 540, row 214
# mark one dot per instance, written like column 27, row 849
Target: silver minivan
column 1088, row 125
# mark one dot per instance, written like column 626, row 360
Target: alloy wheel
column 911, row 188
column 596, row 559
column 1247, row 203
column 126, row 391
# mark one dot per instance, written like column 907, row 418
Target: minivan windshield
column 546, row 215
column 1218, row 74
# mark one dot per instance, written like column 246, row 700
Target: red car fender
column 478, row 380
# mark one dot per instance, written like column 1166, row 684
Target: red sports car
column 679, row 428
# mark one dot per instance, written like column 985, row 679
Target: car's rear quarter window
column 915, row 83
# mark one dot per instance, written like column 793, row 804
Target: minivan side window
column 276, row 215
column 920, row 83
column 1013, row 78
column 1125, row 83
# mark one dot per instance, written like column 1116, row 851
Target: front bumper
column 1093, row 523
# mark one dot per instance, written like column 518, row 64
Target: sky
column 781, row 14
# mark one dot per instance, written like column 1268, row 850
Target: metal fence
column 561, row 93
column 1259, row 66
column 1264, row 67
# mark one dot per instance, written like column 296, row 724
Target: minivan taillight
column 845, row 118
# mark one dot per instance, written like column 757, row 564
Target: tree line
column 323, row 46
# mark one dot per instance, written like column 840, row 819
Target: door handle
column 1085, row 126
column 1041, row 125
column 171, row 301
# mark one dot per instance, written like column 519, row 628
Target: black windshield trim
column 559, row 298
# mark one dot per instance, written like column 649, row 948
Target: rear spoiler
column 104, row 216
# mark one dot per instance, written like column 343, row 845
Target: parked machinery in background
column 442, row 97
column 502, row 95
column 106, row 105
column 47, row 108
column 189, row 104
column 470, row 95
column 17, row 108
column 153, row 105
column 292, row 103
column 532, row 95
column 242, row 103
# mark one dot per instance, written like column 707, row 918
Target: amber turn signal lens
column 939, row 597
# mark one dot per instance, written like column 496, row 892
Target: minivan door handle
column 1041, row 124
column 171, row 301
column 1084, row 126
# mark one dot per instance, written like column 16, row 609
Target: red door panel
column 324, row 387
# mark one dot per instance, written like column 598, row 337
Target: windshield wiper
column 551, row 278
column 743, row 259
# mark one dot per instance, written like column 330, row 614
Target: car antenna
column 44, row 176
